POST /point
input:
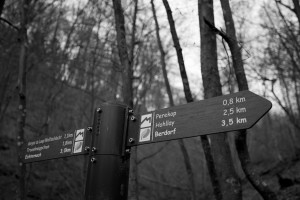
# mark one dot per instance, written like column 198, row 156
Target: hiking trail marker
column 116, row 128
column 67, row 144
column 215, row 115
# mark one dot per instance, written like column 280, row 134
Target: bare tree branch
column 286, row 6
column 153, row 154
column 2, row 2
column 9, row 23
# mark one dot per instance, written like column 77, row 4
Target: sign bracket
column 128, row 116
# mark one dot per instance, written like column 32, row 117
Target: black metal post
column 107, row 175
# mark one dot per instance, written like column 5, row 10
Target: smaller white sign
column 78, row 147
column 145, row 128
column 78, row 141
column 145, row 134
column 79, row 134
column 146, row 120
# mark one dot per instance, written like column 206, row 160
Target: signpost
column 55, row 146
column 107, row 176
column 215, row 115
column 116, row 129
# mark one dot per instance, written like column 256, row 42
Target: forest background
column 60, row 59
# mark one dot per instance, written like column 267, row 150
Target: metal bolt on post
column 132, row 118
column 131, row 140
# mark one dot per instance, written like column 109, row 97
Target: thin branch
column 229, row 67
column 153, row 154
column 288, row 113
column 164, row 183
column 9, row 23
column 286, row 6
column 217, row 31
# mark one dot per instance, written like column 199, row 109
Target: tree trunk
column 123, row 54
column 228, row 179
column 5, row 97
column 186, row 87
column 21, row 87
column 134, row 181
column 127, row 77
column 133, row 33
column 297, row 10
column 241, row 137
column 187, row 160
column 2, row 2
column 162, row 57
column 188, row 95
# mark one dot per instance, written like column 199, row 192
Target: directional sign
column 55, row 146
column 220, row 114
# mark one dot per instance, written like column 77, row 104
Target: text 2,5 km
column 231, row 111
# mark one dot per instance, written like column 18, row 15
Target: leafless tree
column 212, row 87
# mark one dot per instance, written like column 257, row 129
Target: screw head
column 99, row 110
column 86, row 148
column 130, row 111
column 94, row 149
column 131, row 140
column 132, row 118
column 93, row 160
column 89, row 128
